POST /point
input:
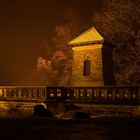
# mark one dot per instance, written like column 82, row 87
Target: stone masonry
column 93, row 53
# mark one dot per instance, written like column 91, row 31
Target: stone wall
column 93, row 53
column 17, row 108
column 95, row 109
column 104, row 109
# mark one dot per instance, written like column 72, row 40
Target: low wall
column 95, row 109
column 17, row 108
column 26, row 108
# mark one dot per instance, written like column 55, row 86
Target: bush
column 41, row 111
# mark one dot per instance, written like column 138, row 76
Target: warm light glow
column 95, row 46
column 109, row 95
column 125, row 95
column 117, row 95
column 51, row 95
column 58, row 94
column 0, row 92
column 133, row 95
column 89, row 36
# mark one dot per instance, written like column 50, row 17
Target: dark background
column 23, row 26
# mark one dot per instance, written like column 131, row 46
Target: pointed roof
column 89, row 36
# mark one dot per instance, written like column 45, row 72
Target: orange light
column 51, row 95
column 0, row 92
column 59, row 94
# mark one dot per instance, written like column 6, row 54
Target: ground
column 34, row 128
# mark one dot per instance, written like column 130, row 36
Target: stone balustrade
column 106, row 94
column 23, row 93
column 99, row 100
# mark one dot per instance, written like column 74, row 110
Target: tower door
column 87, row 68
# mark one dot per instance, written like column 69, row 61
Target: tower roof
column 89, row 36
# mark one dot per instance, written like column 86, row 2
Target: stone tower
column 88, row 60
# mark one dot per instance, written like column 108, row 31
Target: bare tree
column 119, row 23
column 55, row 69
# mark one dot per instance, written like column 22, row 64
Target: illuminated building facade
column 92, row 60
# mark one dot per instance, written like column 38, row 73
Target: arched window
column 86, row 68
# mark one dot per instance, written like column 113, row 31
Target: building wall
column 93, row 53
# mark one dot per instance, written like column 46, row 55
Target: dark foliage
column 41, row 111
column 82, row 115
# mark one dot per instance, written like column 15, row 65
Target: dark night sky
column 23, row 25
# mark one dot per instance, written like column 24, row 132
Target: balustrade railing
column 106, row 94
column 110, row 94
column 22, row 93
